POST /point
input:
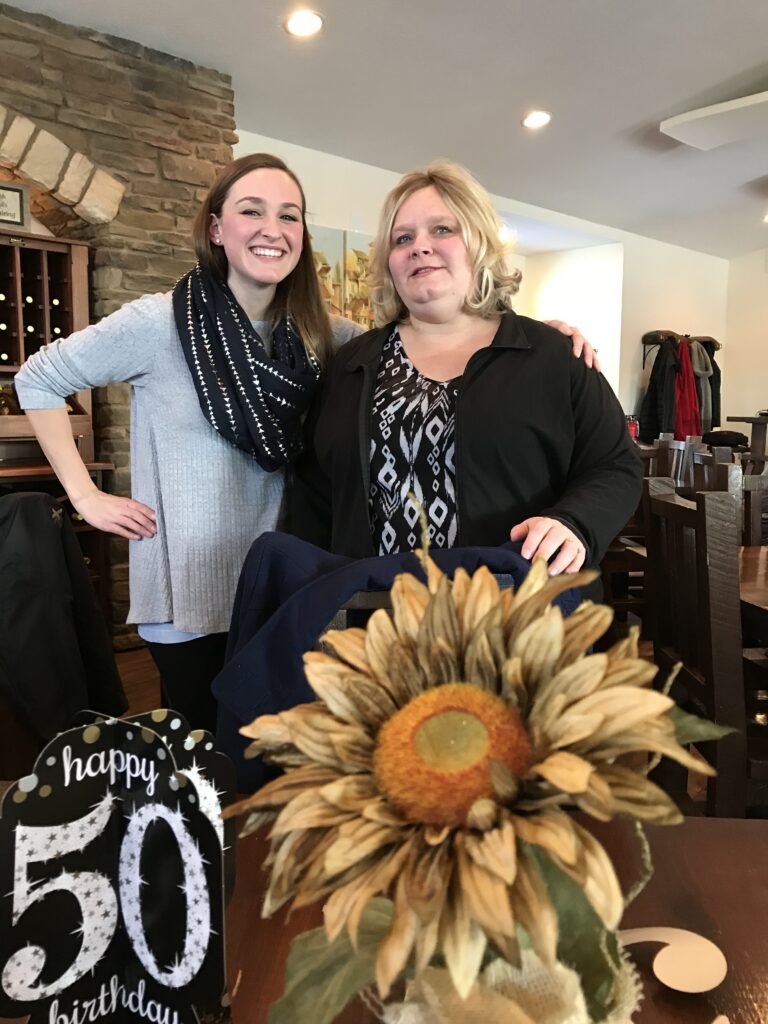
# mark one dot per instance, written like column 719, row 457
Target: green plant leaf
column 321, row 978
column 584, row 943
column 692, row 729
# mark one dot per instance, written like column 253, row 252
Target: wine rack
column 43, row 296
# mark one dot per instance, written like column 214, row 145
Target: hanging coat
column 702, row 371
column 657, row 413
column 56, row 654
column 687, row 420
column 711, row 346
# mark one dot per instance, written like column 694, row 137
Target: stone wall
column 107, row 125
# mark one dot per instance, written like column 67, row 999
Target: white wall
column 583, row 287
column 667, row 287
column 745, row 386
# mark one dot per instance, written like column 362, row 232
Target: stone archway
column 34, row 154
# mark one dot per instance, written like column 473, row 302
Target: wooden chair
column 623, row 565
column 675, row 458
column 716, row 470
column 692, row 586
column 755, row 491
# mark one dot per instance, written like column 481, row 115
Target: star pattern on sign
column 208, row 796
column 412, row 452
column 195, row 888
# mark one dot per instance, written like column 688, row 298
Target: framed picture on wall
column 14, row 205
column 358, row 253
column 328, row 248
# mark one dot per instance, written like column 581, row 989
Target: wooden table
column 758, row 444
column 753, row 584
column 710, row 878
column 753, row 577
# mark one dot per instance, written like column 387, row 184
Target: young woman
column 222, row 370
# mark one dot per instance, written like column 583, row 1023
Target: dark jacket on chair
column 55, row 650
column 537, row 433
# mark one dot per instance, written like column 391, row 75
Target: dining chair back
column 716, row 470
column 675, row 459
column 693, row 607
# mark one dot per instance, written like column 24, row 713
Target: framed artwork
column 358, row 253
column 328, row 248
column 14, row 205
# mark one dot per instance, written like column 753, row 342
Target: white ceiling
column 394, row 83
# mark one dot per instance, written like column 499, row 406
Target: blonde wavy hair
column 481, row 226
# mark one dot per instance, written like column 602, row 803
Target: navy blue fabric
column 289, row 591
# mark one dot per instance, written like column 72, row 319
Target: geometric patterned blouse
column 412, row 450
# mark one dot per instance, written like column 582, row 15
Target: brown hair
column 494, row 283
column 298, row 295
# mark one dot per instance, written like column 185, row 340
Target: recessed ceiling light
column 537, row 119
column 765, row 219
column 303, row 23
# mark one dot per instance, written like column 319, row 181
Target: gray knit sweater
column 212, row 500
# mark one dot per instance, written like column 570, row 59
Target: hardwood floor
column 141, row 680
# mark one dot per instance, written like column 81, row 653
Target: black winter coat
column 657, row 413
column 55, row 651
column 537, row 433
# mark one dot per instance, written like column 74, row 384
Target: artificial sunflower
column 446, row 739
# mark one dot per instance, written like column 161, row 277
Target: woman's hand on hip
column 542, row 537
column 579, row 344
column 123, row 516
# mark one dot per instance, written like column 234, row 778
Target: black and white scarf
column 253, row 400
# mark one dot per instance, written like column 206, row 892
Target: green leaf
column 584, row 943
column 692, row 729
column 321, row 978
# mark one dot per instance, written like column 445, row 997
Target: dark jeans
column 186, row 672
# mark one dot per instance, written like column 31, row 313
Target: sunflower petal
column 629, row 672
column 279, row 791
column 463, row 942
column 634, row 794
column 380, row 637
column 397, row 944
column 485, row 896
column 532, row 907
column 345, row 906
column 355, row 840
column 552, row 831
column 410, row 599
column 582, row 628
column 483, row 594
column 496, row 851
column 565, row 771
column 601, row 887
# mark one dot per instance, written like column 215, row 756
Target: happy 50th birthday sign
column 112, row 875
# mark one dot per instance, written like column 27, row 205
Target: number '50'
column 98, row 902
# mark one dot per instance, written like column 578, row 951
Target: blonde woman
column 483, row 416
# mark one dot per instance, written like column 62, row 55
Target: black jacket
column 710, row 347
column 537, row 433
column 55, row 650
column 657, row 413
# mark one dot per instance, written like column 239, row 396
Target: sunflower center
column 451, row 741
column 432, row 757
